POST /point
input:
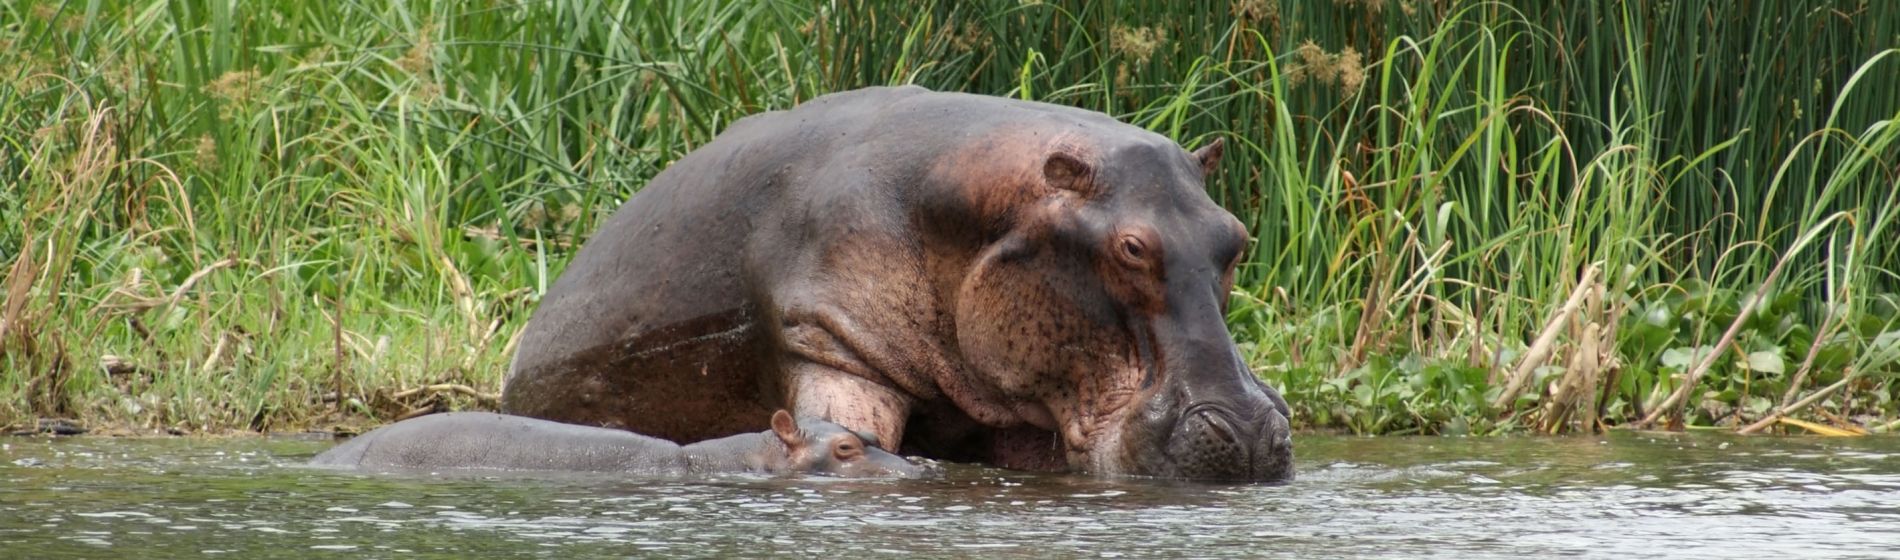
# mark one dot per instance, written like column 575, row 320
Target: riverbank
column 1466, row 217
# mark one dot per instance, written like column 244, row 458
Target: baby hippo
column 484, row 440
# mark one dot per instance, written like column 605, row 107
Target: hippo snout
column 882, row 464
column 1211, row 442
column 917, row 467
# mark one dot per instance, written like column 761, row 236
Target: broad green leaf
column 1682, row 358
column 1766, row 362
column 1759, row 405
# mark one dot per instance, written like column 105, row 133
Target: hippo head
column 817, row 446
column 1092, row 304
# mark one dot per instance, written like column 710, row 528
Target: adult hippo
column 974, row 278
column 489, row 441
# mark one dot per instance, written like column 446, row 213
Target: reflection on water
column 1623, row 495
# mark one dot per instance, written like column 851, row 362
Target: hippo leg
column 821, row 392
column 1028, row 448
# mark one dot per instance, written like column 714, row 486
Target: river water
column 1622, row 495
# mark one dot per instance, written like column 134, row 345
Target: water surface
column 1623, row 495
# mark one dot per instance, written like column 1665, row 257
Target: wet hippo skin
column 967, row 277
column 484, row 440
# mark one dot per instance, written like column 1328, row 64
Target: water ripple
column 1624, row 495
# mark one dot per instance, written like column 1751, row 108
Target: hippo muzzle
column 1218, row 424
column 1212, row 443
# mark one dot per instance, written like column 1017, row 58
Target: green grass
column 244, row 212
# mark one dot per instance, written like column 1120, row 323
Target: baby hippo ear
column 787, row 429
column 1209, row 155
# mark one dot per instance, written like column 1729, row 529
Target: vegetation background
column 1469, row 217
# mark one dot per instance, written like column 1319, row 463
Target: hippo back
column 483, row 440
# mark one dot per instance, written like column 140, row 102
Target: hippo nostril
column 1218, row 426
column 1212, row 418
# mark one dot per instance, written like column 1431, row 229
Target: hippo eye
column 1134, row 252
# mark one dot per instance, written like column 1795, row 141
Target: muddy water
column 1625, row 495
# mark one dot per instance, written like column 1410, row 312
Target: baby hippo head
column 815, row 446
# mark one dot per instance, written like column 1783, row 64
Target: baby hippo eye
column 847, row 449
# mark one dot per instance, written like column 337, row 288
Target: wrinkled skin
column 966, row 277
column 488, row 441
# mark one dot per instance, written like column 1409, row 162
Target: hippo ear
column 1065, row 171
column 1209, row 155
column 787, row 429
